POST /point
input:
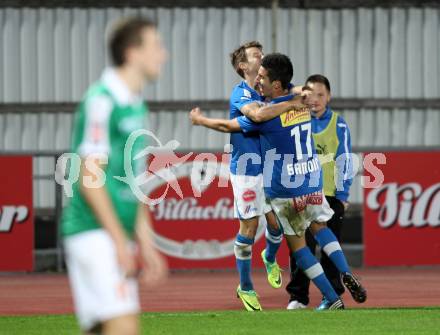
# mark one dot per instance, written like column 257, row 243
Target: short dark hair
column 279, row 67
column 239, row 55
column 319, row 78
column 126, row 34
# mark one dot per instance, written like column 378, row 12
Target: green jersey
column 104, row 120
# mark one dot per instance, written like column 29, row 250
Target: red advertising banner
column 16, row 217
column 402, row 215
column 193, row 217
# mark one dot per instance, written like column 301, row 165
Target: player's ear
column 276, row 84
column 242, row 66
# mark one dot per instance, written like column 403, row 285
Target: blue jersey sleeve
column 344, row 162
column 241, row 97
column 248, row 125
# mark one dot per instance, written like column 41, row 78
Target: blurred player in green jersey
column 106, row 229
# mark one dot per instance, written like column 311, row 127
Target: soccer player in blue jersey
column 247, row 180
column 292, row 178
column 331, row 136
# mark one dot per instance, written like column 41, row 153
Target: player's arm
column 101, row 205
column 226, row 126
column 152, row 260
column 344, row 162
column 258, row 113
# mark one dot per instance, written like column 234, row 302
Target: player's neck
column 133, row 78
column 319, row 113
column 279, row 93
column 250, row 80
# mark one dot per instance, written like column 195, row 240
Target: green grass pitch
column 354, row 321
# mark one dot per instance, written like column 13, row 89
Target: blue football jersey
column 244, row 144
column 291, row 166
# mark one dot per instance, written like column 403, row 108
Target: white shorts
column 296, row 215
column 249, row 198
column 100, row 289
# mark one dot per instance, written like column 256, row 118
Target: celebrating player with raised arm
column 292, row 178
column 247, row 179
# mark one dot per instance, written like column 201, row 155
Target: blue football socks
column 312, row 269
column 330, row 245
column 243, row 256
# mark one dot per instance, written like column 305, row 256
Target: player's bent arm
column 259, row 113
column 151, row 258
column 101, row 205
column 271, row 111
column 344, row 163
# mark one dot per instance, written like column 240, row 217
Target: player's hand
column 304, row 96
column 297, row 89
column 155, row 268
column 305, row 91
column 126, row 259
column 195, row 116
column 296, row 102
column 346, row 205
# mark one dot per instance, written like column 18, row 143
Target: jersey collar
column 327, row 114
column 282, row 98
column 118, row 88
column 245, row 85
